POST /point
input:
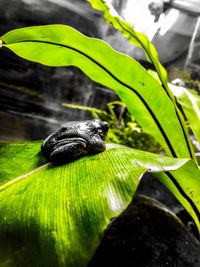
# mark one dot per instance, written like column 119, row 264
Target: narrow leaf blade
column 190, row 104
column 141, row 40
column 134, row 37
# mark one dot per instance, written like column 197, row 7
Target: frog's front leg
column 67, row 150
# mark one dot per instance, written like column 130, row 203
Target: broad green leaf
column 59, row 45
column 56, row 215
column 19, row 158
column 190, row 104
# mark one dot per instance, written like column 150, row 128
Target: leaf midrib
column 22, row 177
column 183, row 194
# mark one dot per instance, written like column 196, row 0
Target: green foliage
column 190, row 104
column 58, row 213
column 59, row 45
column 131, row 138
column 141, row 40
column 134, row 37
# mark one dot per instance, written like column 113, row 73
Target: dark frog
column 75, row 139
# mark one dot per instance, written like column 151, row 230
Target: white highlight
column 167, row 21
column 24, row 176
column 137, row 14
column 115, row 200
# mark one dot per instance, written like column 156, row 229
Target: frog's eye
column 100, row 131
column 105, row 126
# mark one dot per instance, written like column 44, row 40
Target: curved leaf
column 190, row 104
column 136, row 38
column 141, row 40
column 184, row 183
column 59, row 45
column 56, row 215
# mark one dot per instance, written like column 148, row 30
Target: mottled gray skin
column 75, row 139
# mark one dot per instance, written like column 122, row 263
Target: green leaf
column 136, row 38
column 19, row 158
column 141, row 40
column 184, row 183
column 59, row 45
column 190, row 104
column 56, row 215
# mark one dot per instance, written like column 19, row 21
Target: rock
column 31, row 95
column 152, row 188
column 23, row 13
column 147, row 235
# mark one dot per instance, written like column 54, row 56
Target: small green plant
column 58, row 213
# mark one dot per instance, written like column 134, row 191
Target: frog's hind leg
column 68, row 152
